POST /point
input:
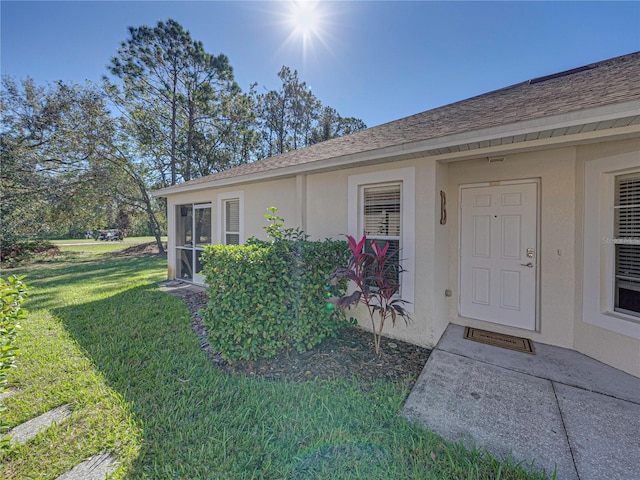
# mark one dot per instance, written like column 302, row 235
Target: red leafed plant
column 375, row 286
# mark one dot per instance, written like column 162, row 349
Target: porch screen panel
column 232, row 222
column 184, row 225
column 203, row 226
column 627, row 244
column 184, row 266
column 381, row 221
column 199, row 263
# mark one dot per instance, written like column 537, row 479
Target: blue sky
column 378, row 61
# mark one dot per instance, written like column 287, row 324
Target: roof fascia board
column 599, row 114
column 416, row 149
column 631, row 131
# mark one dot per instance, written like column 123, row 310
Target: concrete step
column 6, row 394
column 28, row 430
column 94, row 468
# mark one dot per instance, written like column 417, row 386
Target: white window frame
column 622, row 240
column 598, row 294
column 406, row 177
column 221, row 199
column 380, row 237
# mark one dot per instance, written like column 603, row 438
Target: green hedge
column 13, row 292
column 269, row 296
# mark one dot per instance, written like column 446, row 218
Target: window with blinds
column 382, row 211
column 232, row 222
column 381, row 222
column 627, row 243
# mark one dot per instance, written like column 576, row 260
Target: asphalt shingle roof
column 612, row 81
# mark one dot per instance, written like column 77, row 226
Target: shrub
column 269, row 296
column 276, row 231
column 12, row 294
column 371, row 273
column 14, row 252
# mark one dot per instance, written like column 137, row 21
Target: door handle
column 530, row 265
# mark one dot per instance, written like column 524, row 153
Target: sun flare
column 304, row 18
column 308, row 20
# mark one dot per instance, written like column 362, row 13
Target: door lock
column 531, row 252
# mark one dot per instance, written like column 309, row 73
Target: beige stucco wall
column 442, row 254
column 605, row 345
column 260, row 196
column 327, row 205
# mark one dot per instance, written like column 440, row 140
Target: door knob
column 530, row 265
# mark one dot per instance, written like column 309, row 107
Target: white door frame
column 195, row 250
column 497, row 183
column 198, row 277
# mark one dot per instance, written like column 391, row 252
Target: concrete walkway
column 180, row 289
column 559, row 408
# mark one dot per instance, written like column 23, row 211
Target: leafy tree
column 180, row 102
column 75, row 157
column 331, row 125
column 286, row 113
column 292, row 117
column 48, row 138
column 65, row 161
column 272, row 108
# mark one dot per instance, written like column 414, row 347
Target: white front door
column 499, row 254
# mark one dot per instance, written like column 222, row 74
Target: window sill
column 617, row 322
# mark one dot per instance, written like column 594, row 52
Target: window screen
column 381, row 221
column 382, row 211
column 184, row 225
column 232, row 222
column 203, row 226
column 627, row 243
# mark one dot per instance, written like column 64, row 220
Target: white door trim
column 539, row 260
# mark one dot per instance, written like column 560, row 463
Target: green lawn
column 102, row 338
column 91, row 246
